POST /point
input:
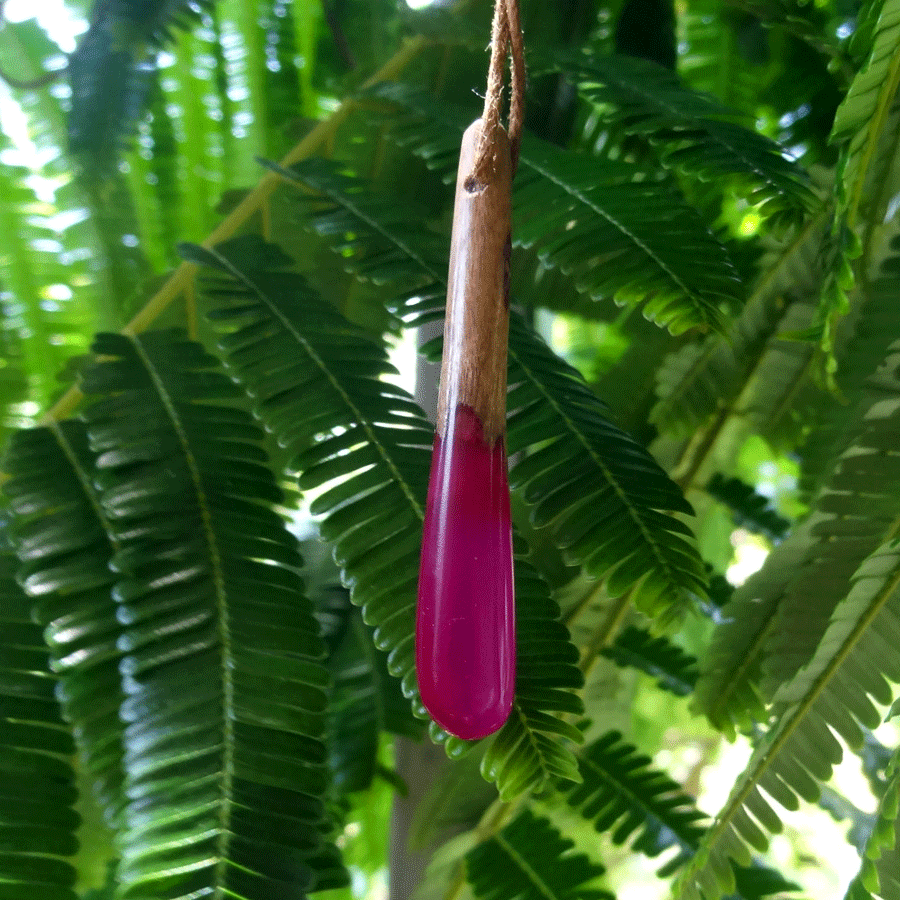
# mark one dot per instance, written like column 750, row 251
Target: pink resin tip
column 465, row 618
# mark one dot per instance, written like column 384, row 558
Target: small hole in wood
column 473, row 185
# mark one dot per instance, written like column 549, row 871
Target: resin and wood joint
column 473, row 372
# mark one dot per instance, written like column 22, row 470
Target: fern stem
column 607, row 631
column 179, row 281
column 492, row 821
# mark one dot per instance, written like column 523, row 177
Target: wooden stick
column 473, row 372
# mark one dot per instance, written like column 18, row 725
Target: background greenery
column 219, row 222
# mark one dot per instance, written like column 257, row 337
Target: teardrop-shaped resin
column 465, row 618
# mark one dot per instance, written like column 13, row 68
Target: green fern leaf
column 695, row 381
column 226, row 690
column 62, row 538
column 156, row 20
column 861, row 118
column 674, row 670
column 37, row 784
column 879, row 873
column 109, row 72
column 292, row 350
column 365, row 700
column 836, row 424
column 855, row 512
column 693, row 132
column 580, row 214
column 748, row 509
column 728, row 690
column 531, row 860
column 609, row 502
column 622, row 793
column 838, row 690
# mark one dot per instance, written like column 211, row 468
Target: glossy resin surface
column 465, row 620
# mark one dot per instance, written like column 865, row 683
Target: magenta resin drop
column 465, row 621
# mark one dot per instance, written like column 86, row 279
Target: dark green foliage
column 621, row 793
column 63, row 540
column 728, row 689
column 109, row 90
column 749, row 509
column 155, row 20
column 37, row 785
column 288, row 346
column 584, row 472
column 700, row 380
column 537, row 862
column 673, row 669
column 203, row 691
column 646, row 29
column 365, row 699
column 580, row 213
column 110, row 72
column 693, row 133
column 183, row 481
column 879, row 873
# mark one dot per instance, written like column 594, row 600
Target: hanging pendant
column 465, row 618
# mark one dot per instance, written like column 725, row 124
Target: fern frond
column 109, row 91
column 856, row 513
column 37, row 784
column 875, row 323
column 850, row 672
column 697, row 379
column 226, row 690
column 748, row 509
column 674, row 670
column 693, row 132
column 609, row 502
column 862, row 116
column 110, row 72
column 63, row 540
column 728, row 690
column 365, row 700
column 156, row 20
column 879, row 874
column 618, row 234
column 531, row 860
column 621, row 792
column 291, row 349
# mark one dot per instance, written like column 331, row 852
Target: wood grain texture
column 473, row 371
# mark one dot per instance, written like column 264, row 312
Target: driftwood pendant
column 465, row 618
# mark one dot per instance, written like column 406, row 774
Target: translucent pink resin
column 465, row 619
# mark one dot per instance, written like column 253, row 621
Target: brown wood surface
column 473, row 371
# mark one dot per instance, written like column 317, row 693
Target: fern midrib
column 649, row 812
column 873, row 132
column 344, row 200
column 748, row 658
column 542, row 887
column 223, row 620
column 623, row 497
column 85, row 483
column 704, row 123
column 762, row 292
column 356, row 412
column 582, row 198
column 792, row 721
